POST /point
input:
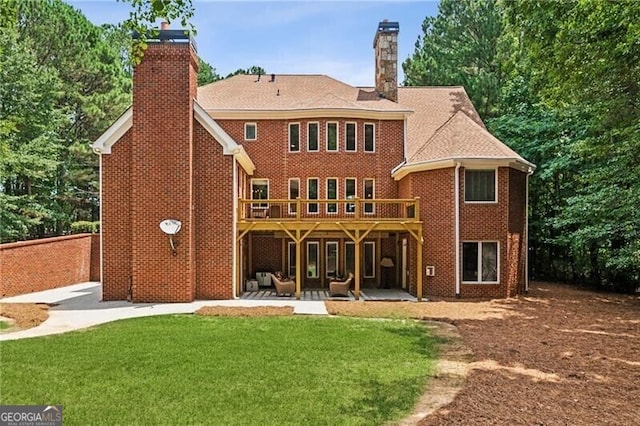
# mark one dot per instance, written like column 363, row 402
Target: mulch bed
column 563, row 357
column 257, row 311
column 24, row 315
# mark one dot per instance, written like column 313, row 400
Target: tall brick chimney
column 385, row 45
column 164, row 87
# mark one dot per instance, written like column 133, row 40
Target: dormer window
column 250, row 131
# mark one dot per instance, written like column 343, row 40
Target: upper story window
column 480, row 186
column 350, row 136
column 294, row 137
column 369, row 194
column 332, row 136
column 350, row 193
column 259, row 191
column 332, row 194
column 294, row 193
column 312, row 137
column 369, row 137
column 312, row 194
column 250, row 131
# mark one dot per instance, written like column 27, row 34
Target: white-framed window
column 294, row 192
column 259, row 191
column 332, row 136
column 294, row 137
column 350, row 137
column 369, row 194
column 250, row 131
column 480, row 262
column 350, row 192
column 332, row 194
column 313, row 257
column 312, row 194
column 369, row 259
column 313, row 136
column 369, row 137
column 480, row 185
column 291, row 259
column 331, row 259
column 349, row 257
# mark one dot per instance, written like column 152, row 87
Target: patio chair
column 340, row 288
column 283, row 286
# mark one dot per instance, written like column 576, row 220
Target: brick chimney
column 161, row 178
column 385, row 45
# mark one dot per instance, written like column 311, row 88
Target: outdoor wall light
column 171, row 227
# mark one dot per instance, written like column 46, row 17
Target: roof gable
column 113, row 134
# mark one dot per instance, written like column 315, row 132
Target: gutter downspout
column 234, row 227
column 101, row 239
column 526, row 233
column 456, row 191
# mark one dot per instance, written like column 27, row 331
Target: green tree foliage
column 568, row 78
column 63, row 82
column 459, row 47
column 206, row 73
column 144, row 20
column 252, row 70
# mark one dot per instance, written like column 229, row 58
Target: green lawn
column 4, row 325
column 222, row 370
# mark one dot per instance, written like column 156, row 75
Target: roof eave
column 517, row 163
column 229, row 146
column 294, row 113
column 113, row 134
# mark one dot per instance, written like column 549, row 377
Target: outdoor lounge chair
column 283, row 286
column 340, row 288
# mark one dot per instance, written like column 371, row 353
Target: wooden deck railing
column 329, row 210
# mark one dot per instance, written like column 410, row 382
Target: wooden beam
column 246, row 231
column 346, row 231
column 419, row 239
column 419, row 266
column 298, row 266
column 284, row 228
column 310, row 230
column 371, row 228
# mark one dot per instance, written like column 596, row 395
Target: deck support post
column 298, row 264
column 420, row 243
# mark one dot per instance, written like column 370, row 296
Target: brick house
column 402, row 186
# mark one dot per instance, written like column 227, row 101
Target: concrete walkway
column 79, row 306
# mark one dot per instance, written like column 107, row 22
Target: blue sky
column 290, row 37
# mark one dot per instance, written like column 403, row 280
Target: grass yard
column 4, row 325
column 224, row 370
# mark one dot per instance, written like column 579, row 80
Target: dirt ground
column 557, row 356
column 23, row 315
column 560, row 357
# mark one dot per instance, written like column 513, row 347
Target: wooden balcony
column 356, row 219
column 352, row 211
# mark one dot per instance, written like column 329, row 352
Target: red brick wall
column 213, row 183
column 266, row 254
column 94, row 274
column 115, row 226
column 436, row 191
column 487, row 222
column 503, row 222
column 516, row 239
column 37, row 265
column 161, row 173
column 273, row 161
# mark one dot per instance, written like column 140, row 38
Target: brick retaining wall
column 36, row 265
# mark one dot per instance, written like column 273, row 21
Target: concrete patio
column 78, row 306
